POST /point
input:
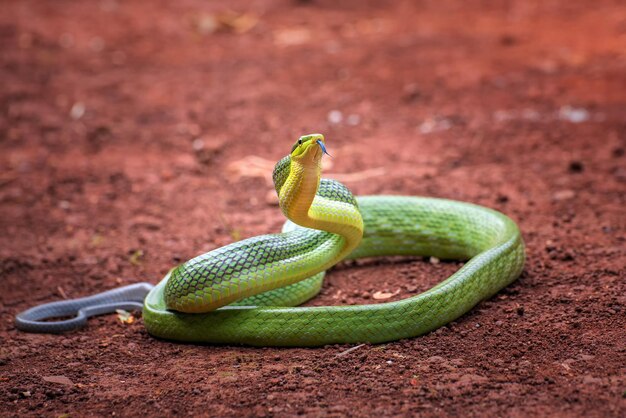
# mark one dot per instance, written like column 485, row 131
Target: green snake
column 248, row 292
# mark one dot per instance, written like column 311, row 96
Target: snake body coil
column 245, row 292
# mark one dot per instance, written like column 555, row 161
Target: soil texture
column 136, row 135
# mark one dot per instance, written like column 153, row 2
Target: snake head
column 309, row 149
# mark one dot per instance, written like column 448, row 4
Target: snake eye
column 299, row 143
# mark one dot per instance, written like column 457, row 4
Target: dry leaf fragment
column 61, row 292
column 63, row 380
column 135, row 258
column 381, row 295
column 205, row 24
column 125, row 317
column 96, row 240
column 292, row 36
column 229, row 21
column 239, row 23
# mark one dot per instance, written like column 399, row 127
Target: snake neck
column 298, row 191
column 300, row 202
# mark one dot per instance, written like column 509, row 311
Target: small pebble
column 197, row 144
column 573, row 114
column 335, row 117
column 77, row 111
column 353, row 120
column 563, row 195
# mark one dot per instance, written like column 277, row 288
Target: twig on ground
column 349, row 350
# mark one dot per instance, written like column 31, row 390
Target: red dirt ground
column 119, row 125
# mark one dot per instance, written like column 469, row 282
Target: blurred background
column 137, row 134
